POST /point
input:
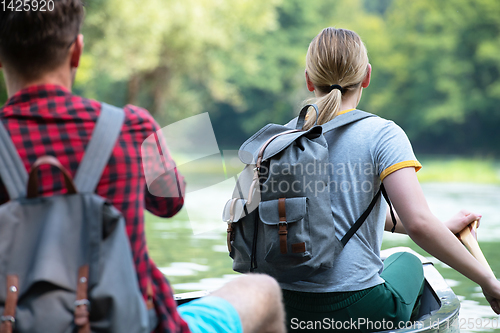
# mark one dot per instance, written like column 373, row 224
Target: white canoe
column 439, row 304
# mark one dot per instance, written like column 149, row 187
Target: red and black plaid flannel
column 49, row 120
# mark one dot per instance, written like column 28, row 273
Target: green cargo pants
column 385, row 306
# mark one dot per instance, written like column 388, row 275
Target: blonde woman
column 367, row 153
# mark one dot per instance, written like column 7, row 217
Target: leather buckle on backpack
column 283, row 232
column 230, row 235
column 4, row 326
column 79, row 302
column 81, row 314
column 230, row 232
column 7, row 318
column 82, row 304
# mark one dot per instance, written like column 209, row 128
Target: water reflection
column 183, row 269
column 205, row 284
column 200, row 261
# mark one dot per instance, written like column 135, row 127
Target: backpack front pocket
column 286, row 231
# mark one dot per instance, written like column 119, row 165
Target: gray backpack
column 279, row 218
column 65, row 260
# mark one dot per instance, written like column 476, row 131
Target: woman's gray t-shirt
column 361, row 155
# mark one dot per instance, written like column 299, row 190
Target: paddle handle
column 470, row 242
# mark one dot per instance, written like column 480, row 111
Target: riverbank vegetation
column 459, row 170
column 435, row 169
column 436, row 65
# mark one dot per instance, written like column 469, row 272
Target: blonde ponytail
column 336, row 63
column 330, row 101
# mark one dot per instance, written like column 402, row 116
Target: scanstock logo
column 192, row 144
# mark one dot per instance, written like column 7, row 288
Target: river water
column 190, row 247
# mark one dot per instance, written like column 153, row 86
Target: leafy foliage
column 436, row 64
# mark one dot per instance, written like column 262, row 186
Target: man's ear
column 310, row 85
column 366, row 81
column 76, row 51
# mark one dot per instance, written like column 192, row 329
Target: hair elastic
column 336, row 86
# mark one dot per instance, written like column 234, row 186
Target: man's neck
column 57, row 77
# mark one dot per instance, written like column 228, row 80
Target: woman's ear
column 310, row 85
column 366, row 81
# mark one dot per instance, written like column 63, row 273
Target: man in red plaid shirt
column 39, row 55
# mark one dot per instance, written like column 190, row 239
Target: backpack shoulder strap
column 12, row 170
column 345, row 119
column 362, row 218
column 99, row 149
column 367, row 212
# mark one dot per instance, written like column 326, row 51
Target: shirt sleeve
column 165, row 186
column 392, row 150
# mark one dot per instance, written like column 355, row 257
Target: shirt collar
column 345, row 111
column 36, row 92
column 340, row 113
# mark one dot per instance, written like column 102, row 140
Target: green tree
column 439, row 76
column 278, row 90
column 174, row 55
column 436, row 64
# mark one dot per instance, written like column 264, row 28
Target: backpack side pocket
column 240, row 233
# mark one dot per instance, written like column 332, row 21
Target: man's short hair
column 33, row 42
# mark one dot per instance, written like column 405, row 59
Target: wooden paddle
column 468, row 236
